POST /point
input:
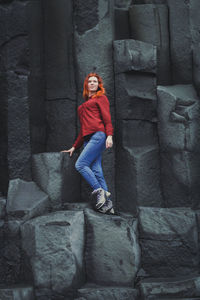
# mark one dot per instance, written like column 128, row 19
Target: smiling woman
column 96, row 135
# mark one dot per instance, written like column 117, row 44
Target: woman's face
column 93, row 84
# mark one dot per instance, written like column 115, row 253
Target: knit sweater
column 94, row 115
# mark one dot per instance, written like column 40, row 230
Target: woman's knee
column 79, row 165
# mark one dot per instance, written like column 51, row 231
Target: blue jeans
column 89, row 162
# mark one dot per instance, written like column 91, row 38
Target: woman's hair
column 100, row 91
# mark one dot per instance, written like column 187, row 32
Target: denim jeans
column 89, row 162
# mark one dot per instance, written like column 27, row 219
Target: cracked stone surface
column 149, row 23
column 116, row 261
column 179, row 139
column 25, row 200
column 169, row 242
column 56, row 175
column 17, row 293
column 138, row 169
column 107, row 293
column 179, row 287
column 2, row 207
column 54, row 244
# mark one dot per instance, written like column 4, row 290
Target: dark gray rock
column 136, row 85
column 37, row 77
column 149, row 1
column 123, row 3
column 17, row 293
column 180, row 38
column 194, row 7
column 56, row 175
column 76, row 206
column 2, row 207
column 14, row 67
column 61, row 124
column 116, row 261
column 169, row 241
column 180, row 41
column 121, row 17
column 149, row 23
column 132, row 55
column 19, row 151
column 179, row 287
column 178, row 116
column 4, row 176
column 107, row 293
column 138, row 168
column 179, row 138
column 54, row 244
column 58, row 47
column 25, row 200
column 94, row 33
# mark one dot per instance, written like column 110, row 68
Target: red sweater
column 94, row 115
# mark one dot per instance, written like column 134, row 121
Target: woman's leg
column 98, row 172
column 90, row 153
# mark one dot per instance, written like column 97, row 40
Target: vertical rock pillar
column 60, row 90
column 179, row 136
column 15, row 63
column 137, row 168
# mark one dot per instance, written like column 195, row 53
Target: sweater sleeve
column 79, row 141
column 104, row 107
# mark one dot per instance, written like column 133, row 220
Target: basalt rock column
column 60, row 87
column 149, row 23
column 94, row 33
column 54, row 243
column 180, row 38
column 37, row 78
column 15, row 64
column 138, row 170
column 179, row 136
column 195, row 35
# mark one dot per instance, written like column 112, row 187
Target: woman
column 95, row 134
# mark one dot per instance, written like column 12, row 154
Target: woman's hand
column 71, row 150
column 109, row 141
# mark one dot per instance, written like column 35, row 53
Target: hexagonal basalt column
column 112, row 252
column 169, row 242
column 179, row 138
column 54, row 244
column 149, row 23
column 55, row 174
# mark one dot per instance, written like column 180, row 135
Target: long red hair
column 100, row 91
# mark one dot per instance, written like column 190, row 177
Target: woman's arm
column 79, row 141
column 104, row 107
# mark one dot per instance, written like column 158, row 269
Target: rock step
column 107, row 293
column 185, row 287
column 17, row 292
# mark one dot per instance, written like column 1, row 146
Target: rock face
column 185, row 287
column 179, row 138
column 111, row 293
column 54, row 244
column 149, row 23
column 17, row 293
column 56, row 175
column 116, row 261
column 137, row 152
column 60, row 74
column 15, row 67
column 169, row 242
column 25, row 200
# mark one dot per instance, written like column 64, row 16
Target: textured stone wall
column 53, row 246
